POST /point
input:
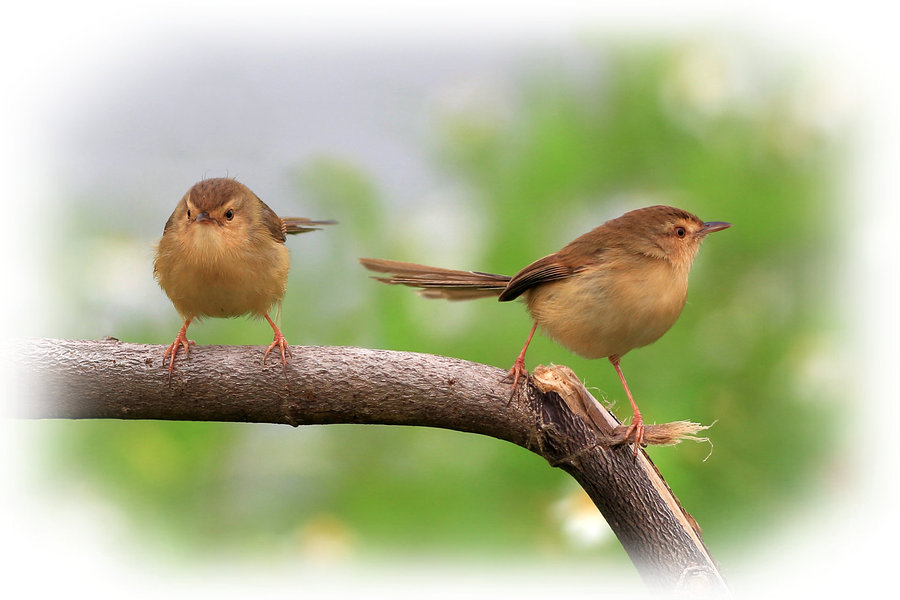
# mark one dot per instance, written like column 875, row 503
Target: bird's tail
column 436, row 282
column 302, row 224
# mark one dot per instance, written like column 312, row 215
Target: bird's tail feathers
column 436, row 282
column 303, row 225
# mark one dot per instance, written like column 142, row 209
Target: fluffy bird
column 223, row 254
column 618, row 287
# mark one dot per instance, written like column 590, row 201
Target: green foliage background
column 523, row 175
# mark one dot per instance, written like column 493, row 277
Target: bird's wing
column 273, row 223
column 549, row 268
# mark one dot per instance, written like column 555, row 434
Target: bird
column 223, row 254
column 618, row 287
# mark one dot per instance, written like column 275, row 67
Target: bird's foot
column 636, row 429
column 518, row 371
column 283, row 347
column 181, row 341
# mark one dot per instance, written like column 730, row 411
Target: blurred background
column 464, row 150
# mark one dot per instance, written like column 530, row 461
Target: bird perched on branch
column 223, row 254
column 618, row 287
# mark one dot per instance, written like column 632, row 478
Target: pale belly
column 600, row 314
column 227, row 287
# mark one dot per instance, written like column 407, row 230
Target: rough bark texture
column 113, row 380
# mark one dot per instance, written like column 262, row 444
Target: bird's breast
column 206, row 276
column 609, row 309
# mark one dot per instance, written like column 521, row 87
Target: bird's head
column 216, row 214
column 664, row 232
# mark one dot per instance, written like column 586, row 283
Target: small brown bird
column 616, row 288
column 222, row 254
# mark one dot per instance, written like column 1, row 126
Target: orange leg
column 637, row 421
column 281, row 343
column 181, row 341
column 518, row 367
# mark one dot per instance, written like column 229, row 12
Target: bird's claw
column 283, row 347
column 636, row 432
column 181, row 341
column 515, row 373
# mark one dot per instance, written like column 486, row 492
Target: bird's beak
column 712, row 226
column 203, row 218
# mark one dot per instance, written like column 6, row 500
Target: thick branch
column 114, row 380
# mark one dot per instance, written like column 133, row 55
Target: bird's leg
column 518, row 368
column 280, row 342
column 181, row 341
column 637, row 421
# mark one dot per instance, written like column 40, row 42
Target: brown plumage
column 223, row 254
column 618, row 287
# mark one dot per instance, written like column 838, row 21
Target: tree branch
column 113, row 380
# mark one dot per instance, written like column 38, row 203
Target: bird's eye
column 189, row 214
column 229, row 214
column 680, row 232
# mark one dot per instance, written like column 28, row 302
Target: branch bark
column 109, row 379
